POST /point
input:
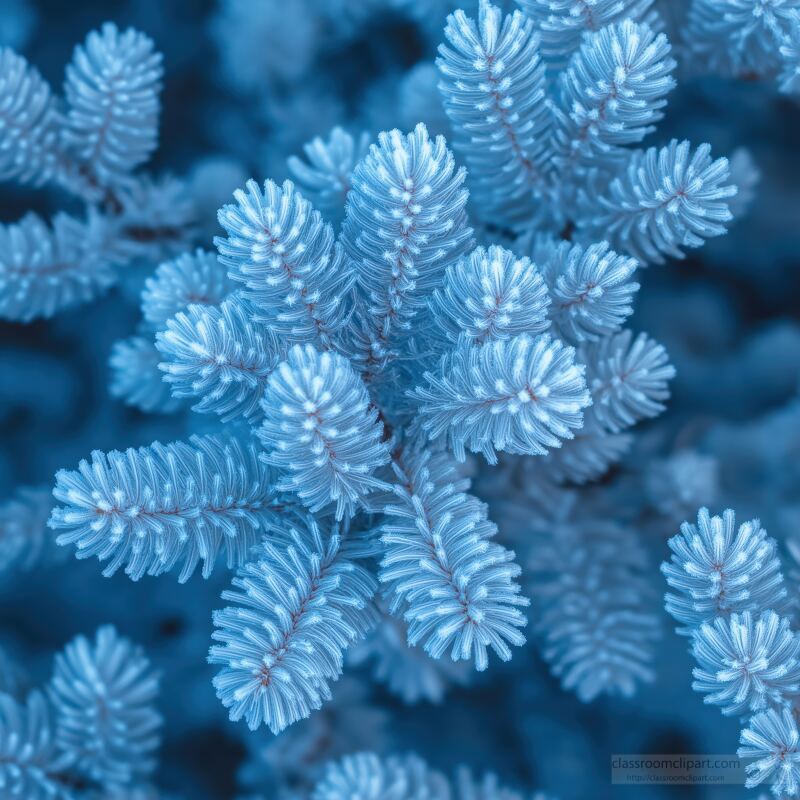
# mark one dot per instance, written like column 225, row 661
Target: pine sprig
column 455, row 586
column 152, row 509
column 294, row 609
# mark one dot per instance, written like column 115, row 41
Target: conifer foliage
column 388, row 388
column 364, row 368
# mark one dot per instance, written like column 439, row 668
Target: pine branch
column 153, row 508
column 112, row 89
column 591, row 290
column 456, row 587
column 627, row 378
column 717, row 570
column 29, row 122
column 30, row 766
column 662, row 201
column 322, row 432
column 281, row 250
column 44, row 270
column 103, row 695
column 747, row 664
column 136, row 378
column 405, row 223
column 490, row 295
column 589, row 582
column 493, row 85
column 197, row 278
column 294, row 609
column 217, row 355
column 563, row 24
column 522, row 395
column 327, row 174
column 612, row 93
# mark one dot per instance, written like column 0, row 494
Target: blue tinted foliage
column 29, row 761
column 25, row 541
column 588, row 456
column 790, row 52
column 627, row 379
column 156, row 507
column 112, row 88
column 613, row 91
column 103, row 695
column 197, row 278
column 771, row 740
column 321, row 431
column 92, row 733
column 405, row 223
column 718, row 569
column 456, row 585
column 663, row 200
column 89, row 143
column 740, row 38
column 45, row 269
column 591, row 290
column 30, row 122
column 136, row 378
column 563, row 23
column 283, row 253
column 423, row 330
column 491, row 295
column 217, row 355
column 366, row 775
column 747, row 664
column 747, row 654
column 326, row 173
column 596, row 621
column 493, row 87
column 408, row 672
column 522, row 395
column 296, row 606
